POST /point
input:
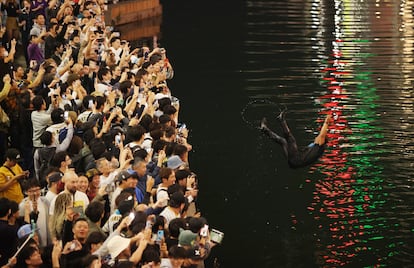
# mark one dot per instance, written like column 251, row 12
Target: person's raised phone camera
column 216, row 236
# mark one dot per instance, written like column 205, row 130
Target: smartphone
column 78, row 210
column 90, row 104
column 216, row 236
column 204, row 231
column 66, row 115
column 160, row 236
column 131, row 217
column 117, row 139
column 32, row 64
column 116, row 34
column 72, row 246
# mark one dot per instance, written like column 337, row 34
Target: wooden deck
column 125, row 12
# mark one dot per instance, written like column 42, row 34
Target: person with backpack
column 43, row 156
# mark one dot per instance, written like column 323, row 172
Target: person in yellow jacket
column 10, row 174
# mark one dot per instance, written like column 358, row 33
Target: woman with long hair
column 62, row 203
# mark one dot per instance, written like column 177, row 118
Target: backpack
column 45, row 157
column 154, row 197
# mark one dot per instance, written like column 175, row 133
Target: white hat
column 116, row 245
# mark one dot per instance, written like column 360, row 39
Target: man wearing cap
column 125, row 179
column 175, row 162
column 52, row 185
column 10, row 174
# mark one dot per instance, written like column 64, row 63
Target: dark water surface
column 354, row 207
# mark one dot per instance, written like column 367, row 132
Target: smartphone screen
column 160, row 235
column 216, row 236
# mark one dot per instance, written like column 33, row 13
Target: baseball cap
column 55, row 177
column 186, row 238
column 25, row 230
column 13, row 154
column 116, row 245
column 174, row 162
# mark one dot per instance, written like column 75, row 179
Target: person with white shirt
column 52, row 185
column 40, row 119
column 79, row 199
column 35, row 207
column 167, row 176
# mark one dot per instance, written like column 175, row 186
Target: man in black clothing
column 7, row 233
column 298, row 157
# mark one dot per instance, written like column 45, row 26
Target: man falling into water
column 298, row 157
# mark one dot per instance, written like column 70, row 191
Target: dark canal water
column 355, row 206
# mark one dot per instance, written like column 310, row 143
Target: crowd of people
column 96, row 168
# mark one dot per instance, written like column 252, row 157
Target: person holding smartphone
column 10, row 176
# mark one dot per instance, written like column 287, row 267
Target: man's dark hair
column 100, row 101
column 175, row 225
column 146, row 121
column 95, row 237
column 4, row 206
column 141, row 153
column 169, row 149
column 196, row 223
column 57, row 116
column 85, row 101
column 102, row 72
column 37, row 102
column 177, row 199
column 163, row 102
column 46, row 138
column 158, row 145
column 180, row 149
column 169, row 109
column 164, row 118
column 31, row 183
column 94, row 211
column 58, row 158
column 151, row 253
column 135, row 133
column 79, row 219
column 169, row 131
column 14, row 207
